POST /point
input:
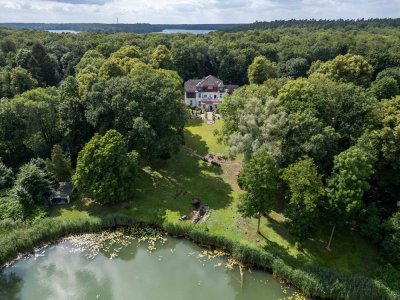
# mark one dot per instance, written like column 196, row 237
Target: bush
column 6, row 176
column 11, row 208
column 32, row 185
column 371, row 223
column 391, row 244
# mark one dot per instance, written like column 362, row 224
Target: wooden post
column 258, row 224
column 330, row 238
column 241, row 276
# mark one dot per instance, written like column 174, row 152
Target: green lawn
column 165, row 190
column 200, row 137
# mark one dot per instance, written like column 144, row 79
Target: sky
column 191, row 11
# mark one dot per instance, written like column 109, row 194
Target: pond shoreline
column 312, row 281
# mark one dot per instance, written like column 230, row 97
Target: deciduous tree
column 260, row 70
column 260, row 179
column 105, row 170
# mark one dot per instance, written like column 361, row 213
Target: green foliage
column 153, row 95
column 348, row 68
column 111, row 68
column 294, row 67
column 371, row 223
column 162, row 58
column 306, row 193
column 105, row 171
column 391, row 244
column 90, row 62
column 260, row 70
column 23, row 58
column 349, row 181
column 13, row 151
column 39, row 111
column 127, row 51
column 390, row 276
column 21, row 81
column 390, row 72
column 32, row 186
column 41, row 66
column 11, row 208
column 73, row 124
column 260, row 179
column 385, row 88
column 59, row 164
column 344, row 107
column 6, row 176
column 253, row 124
column 308, row 135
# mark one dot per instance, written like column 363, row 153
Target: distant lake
column 169, row 31
column 63, row 31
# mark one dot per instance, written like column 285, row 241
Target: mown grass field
column 165, row 190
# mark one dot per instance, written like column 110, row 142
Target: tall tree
column 154, row 95
column 32, row 185
column 73, row 124
column 59, row 164
column 39, row 110
column 260, row 70
column 348, row 183
column 105, row 170
column 306, row 192
column 259, row 125
column 13, row 150
column 260, row 179
column 21, row 81
column 385, row 88
column 348, row 68
column 6, row 176
column 162, row 58
column 41, row 65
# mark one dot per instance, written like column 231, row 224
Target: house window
column 205, row 96
column 215, row 96
column 220, row 95
column 191, row 102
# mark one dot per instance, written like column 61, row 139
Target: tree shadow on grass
column 283, row 253
column 196, row 143
column 166, row 185
column 172, row 184
column 195, row 122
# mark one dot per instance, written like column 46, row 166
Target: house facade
column 206, row 93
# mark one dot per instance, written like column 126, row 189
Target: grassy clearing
column 167, row 188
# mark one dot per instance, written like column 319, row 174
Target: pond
column 171, row 269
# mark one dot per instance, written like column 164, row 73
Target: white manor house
column 206, row 93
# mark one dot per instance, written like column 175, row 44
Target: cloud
column 93, row 2
column 189, row 11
